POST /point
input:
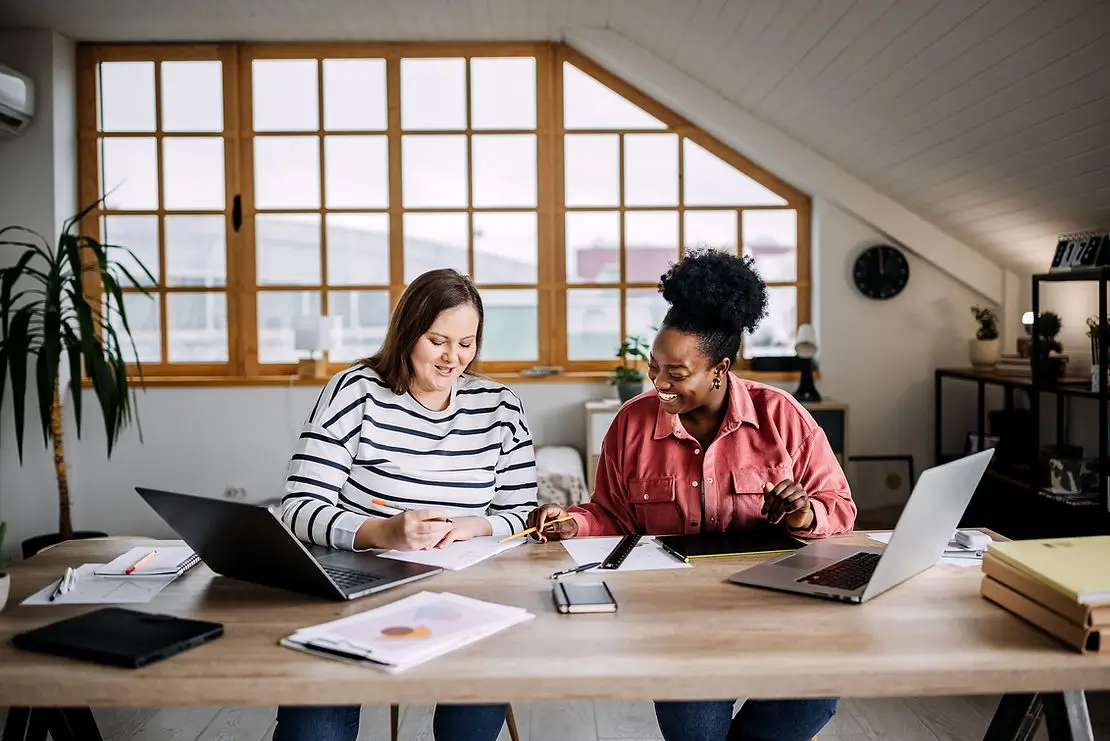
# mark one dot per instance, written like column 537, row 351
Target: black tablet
column 731, row 543
column 119, row 637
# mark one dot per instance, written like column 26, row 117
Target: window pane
column 650, row 244
column 193, row 172
column 197, row 327
column 359, row 321
column 354, row 94
column 587, row 104
column 433, row 171
column 775, row 334
column 286, row 172
column 288, row 249
column 285, row 95
column 504, row 170
column 435, row 241
column 771, row 238
column 129, row 172
column 714, row 229
column 505, row 247
column 138, row 234
column 643, row 313
column 277, row 310
column 433, row 94
column 502, row 93
column 593, row 323
column 196, row 251
column 592, row 169
column 192, row 96
column 356, row 171
column 126, row 96
column 651, row 170
column 593, row 240
column 511, row 330
column 358, row 249
column 144, row 319
column 710, row 181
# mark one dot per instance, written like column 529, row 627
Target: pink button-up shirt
column 656, row 479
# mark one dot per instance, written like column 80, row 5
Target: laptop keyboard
column 849, row 573
column 349, row 579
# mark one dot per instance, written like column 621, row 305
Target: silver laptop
column 249, row 542
column 856, row 574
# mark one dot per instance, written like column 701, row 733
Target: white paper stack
column 458, row 555
column 407, row 632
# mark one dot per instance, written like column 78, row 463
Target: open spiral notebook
column 169, row 557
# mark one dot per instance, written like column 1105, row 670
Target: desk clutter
column 408, row 632
column 134, row 577
column 1060, row 585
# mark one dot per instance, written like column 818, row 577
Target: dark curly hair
column 716, row 296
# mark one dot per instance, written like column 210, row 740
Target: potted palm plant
column 46, row 320
column 5, row 582
column 985, row 349
column 629, row 378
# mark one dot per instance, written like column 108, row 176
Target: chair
column 395, row 718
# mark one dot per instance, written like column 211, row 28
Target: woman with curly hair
column 707, row 451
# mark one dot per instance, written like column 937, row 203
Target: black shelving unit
column 1011, row 500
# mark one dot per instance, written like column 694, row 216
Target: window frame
column 242, row 290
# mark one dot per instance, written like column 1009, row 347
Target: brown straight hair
column 425, row 299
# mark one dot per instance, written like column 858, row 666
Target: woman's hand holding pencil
column 556, row 524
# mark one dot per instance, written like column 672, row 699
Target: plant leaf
column 73, row 351
column 17, row 341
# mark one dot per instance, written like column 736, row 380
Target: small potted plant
column 628, row 377
column 1048, row 368
column 5, row 580
column 986, row 349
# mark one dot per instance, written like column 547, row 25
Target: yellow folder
column 1077, row 567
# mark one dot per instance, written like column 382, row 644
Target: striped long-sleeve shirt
column 363, row 442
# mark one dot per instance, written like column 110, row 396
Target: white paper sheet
column 170, row 557
column 646, row 556
column 953, row 554
column 102, row 590
column 458, row 555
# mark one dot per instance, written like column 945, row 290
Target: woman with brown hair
column 409, row 449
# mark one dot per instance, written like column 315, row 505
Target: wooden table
column 679, row 634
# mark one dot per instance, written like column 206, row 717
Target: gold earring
column 716, row 382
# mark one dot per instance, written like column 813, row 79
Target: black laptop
column 250, row 542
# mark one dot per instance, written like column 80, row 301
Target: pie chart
column 404, row 632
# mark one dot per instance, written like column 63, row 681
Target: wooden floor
column 932, row 719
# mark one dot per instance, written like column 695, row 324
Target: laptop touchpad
column 805, row 561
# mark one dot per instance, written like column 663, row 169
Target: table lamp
column 312, row 334
column 1027, row 321
column 805, row 346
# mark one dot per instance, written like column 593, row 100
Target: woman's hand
column 555, row 531
column 414, row 530
column 465, row 528
column 788, row 503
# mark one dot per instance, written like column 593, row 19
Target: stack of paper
column 407, row 632
column 1060, row 585
column 458, row 555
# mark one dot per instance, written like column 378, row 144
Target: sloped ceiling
column 988, row 118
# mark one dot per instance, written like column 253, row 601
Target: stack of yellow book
column 1060, row 585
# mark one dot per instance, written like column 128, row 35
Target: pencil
column 140, row 562
column 531, row 530
column 399, row 508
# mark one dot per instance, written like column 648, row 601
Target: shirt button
column 709, row 481
column 697, row 451
column 695, row 483
column 647, row 496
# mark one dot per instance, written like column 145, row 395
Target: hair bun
column 713, row 289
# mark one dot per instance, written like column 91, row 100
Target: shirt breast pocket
column 655, row 506
column 747, row 492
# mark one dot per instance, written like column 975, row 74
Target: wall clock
column 881, row 272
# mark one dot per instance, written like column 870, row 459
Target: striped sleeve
column 320, row 466
column 515, row 488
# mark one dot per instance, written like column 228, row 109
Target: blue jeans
column 451, row 723
column 758, row 720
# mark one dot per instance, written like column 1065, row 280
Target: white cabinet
column 599, row 415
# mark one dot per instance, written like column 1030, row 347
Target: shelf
column 1074, row 274
column 1017, row 478
column 1071, row 385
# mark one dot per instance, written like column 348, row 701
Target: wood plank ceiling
column 989, row 118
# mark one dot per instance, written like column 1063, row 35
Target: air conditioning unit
column 17, row 102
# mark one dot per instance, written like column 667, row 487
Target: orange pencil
column 140, row 562
column 531, row 530
column 382, row 503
